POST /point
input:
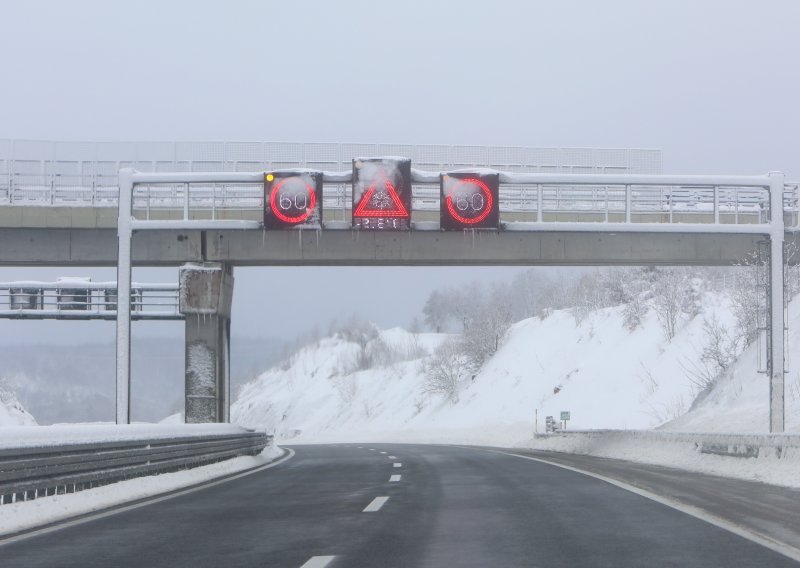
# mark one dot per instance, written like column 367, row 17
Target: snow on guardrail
column 67, row 460
column 769, row 458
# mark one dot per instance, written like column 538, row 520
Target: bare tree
column 673, row 296
column 435, row 311
column 720, row 349
column 748, row 299
column 493, row 313
column 445, row 370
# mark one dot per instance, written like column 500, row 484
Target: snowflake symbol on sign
column 381, row 200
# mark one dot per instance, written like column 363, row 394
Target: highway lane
column 450, row 507
column 768, row 510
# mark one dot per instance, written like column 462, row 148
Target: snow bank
column 773, row 459
column 17, row 517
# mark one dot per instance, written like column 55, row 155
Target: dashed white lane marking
column 395, row 478
column 318, row 562
column 376, row 505
column 392, row 457
column 384, row 453
column 372, row 449
column 360, row 447
column 398, row 464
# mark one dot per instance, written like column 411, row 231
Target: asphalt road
column 450, row 507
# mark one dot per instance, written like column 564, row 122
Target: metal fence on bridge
column 81, row 299
column 85, row 174
column 64, row 174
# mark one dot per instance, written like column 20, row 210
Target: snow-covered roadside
column 678, row 453
column 17, row 517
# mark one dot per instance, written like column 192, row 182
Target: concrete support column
column 206, row 292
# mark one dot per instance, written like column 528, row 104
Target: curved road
column 404, row 506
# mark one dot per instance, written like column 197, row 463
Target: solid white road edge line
column 695, row 512
column 394, row 478
column 376, row 505
column 147, row 501
column 398, row 464
column 318, row 562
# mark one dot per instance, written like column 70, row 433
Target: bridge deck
column 98, row 247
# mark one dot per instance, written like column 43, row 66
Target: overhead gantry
column 615, row 219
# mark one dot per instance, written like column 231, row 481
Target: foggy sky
column 714, row 84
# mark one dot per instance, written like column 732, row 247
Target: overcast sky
column 714, row 84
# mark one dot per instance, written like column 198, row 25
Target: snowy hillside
column 11, row 411
column 739, row 402
column 603, row 374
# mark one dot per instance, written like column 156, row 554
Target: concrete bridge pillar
column 206, row 292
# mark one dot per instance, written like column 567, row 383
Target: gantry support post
column 124, row 237
column 776, row 305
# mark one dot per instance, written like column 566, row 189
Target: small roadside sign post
column 564, row 418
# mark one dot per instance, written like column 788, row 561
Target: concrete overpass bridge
column 213, row 219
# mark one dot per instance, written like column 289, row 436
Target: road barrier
column 771, row 458
column 28, row 473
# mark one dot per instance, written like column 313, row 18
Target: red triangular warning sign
column 381, row 204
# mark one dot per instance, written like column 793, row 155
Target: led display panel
column 292, row 198
column 469, row 200
column 382, row 194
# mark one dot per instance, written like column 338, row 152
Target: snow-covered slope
column 12, row 413
column 603, row 374
column 739, row 402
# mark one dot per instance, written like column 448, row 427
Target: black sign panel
column 382, row 194
column 469, row 200
column 291, row 198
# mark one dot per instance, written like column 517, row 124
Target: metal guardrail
column 715, row 443
column 518, row 199
column 81, row 299
column 577, row 202
column 28, row 473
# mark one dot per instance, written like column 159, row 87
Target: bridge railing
column 82, row 299
column 524, row 197
column 518, row 201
